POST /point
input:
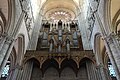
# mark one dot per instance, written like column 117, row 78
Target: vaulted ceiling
column 65, row 10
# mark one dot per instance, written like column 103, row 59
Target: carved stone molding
column 15, row 67
column 3, row 35
column 93, row 8
column 42, row 56
column 95, row 4
column 100, row 66
column 26, row 7
column 9, row 39
column 110, row 37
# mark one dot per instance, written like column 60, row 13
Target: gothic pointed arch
column 69, row 63
column 111, row 14
column 20, row 46
column 48, row 64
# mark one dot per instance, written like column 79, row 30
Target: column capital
column 9, row 39
column 4, row 34
column 16, row 67
column 109, row 38
column 100, row 66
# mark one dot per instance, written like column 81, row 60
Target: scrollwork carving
column 93, row 7
column 26, row 7
column 9, row 39
column 44, row 55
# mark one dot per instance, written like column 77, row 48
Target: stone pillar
column 2, row 40
column 19, row 74
column 27, row 70
column 111, row 48
column 113, row 53
column 4, row 51
column 14, row 73
column 91, row 71
column 7, row 43
column 102, row 73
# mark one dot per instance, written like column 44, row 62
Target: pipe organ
column 59, row 37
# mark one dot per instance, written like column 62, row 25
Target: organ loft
column 59, row 39
column 60, row 46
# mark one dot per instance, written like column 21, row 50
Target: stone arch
column 101, row 54
column 20, row 42
column 48, row 64
column 97, row 36
column 2, row 23
column 87, row 58
column 34, row 60
column 28, row 59
column 110, row 18
column 13, row 57
column 36, row 73
column 3, row 17
column 83, row 60
column 1, row 28
column 114, row 20
column 109, row 67
column 11, row 60
column 83, row 71
column 7, row 14
column 67, row 74
column 106, row 57
column 11, row 15
column 51, row 74
column 69, row 63
column 117, row 27
column 49, row 7
column 99, row 48
column 107, row 13
column 68, row 69
column 44, row 3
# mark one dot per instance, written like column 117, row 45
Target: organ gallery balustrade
column 42, row 56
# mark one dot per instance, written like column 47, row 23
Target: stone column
column 14, row 73
column 111, row 48
column 4, row 50
column 19, row 76
column 2, row 40
column 91, row 71
column 102, row 73
column 27, row 70
column 8, row 43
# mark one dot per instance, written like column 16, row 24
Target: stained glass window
column 111, row 69
column 5, row 70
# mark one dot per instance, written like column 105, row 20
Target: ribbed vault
column 55, row 10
